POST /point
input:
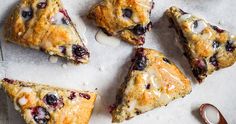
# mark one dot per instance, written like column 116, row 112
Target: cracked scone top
column 42, row 104
column 45, row 25
column 207, row 47
column 127, row 19
column 153, row 81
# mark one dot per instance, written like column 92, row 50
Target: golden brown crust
column 153, row 81
column 26, row 96
column 45, row 26
column 122, row 18
column 207, row 47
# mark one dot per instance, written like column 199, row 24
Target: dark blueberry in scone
column 8, row 80
column 129, row 20
column 84, row 95
column 215, row 44
column 65, row 21
column 195, row 24
column 217, row 29
column 79, row 52
column 140, row 61
column 213, row 60
column 40, row 115
column 148, row 86
column 72, row 95
column 127, row 12
column 53, row 100
column 208, row 48
column 27, row 13
column 230, row 46
column 154, row 84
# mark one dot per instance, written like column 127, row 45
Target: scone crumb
column 53, row 59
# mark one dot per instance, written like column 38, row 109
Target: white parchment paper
column 108, row 65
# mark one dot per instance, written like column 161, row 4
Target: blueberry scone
column 207, row 47
column 153, row 81
column 127, row 19
column 42, row 104
column 45, row 25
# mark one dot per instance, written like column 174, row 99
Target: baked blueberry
column 40, row 115
column 41, row 5
column 217, row 29
column 8, row 80
column 139, row 30
column 72, row 95
column 128, row 20
column 127, row 13
column 51, row 99
column 27, row 13
column 229, row 46
column 79, row 52
column 148, row 86
column 140, row 63
column 63, row 49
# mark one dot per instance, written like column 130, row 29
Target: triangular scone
column 207, row 47
column 45, row 25
column 127, row 19
column 153, row 81
column 42, row 104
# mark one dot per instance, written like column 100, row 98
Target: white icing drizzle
column 26, row 90
column 22, row 101
column 102, row 38
column 185, row 17
column 201, row 25
column 171, row 75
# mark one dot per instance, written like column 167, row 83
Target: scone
column 127, row 19
column 207, row 47
column 153, row 81
column 45, row 25
column 42, row 104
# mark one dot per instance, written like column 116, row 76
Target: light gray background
column 218, row 89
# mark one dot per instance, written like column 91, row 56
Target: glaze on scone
column 45, row 25
column 153, row 81
column 42, row 104
column 207, row 47
column 127, row 19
